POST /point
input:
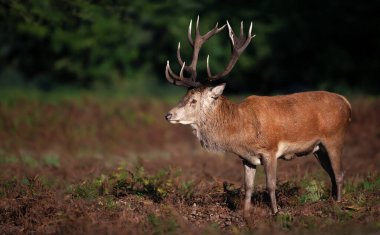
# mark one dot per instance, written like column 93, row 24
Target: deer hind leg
column 270, row 167
column 329, row 156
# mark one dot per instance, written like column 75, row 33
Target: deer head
column 194, row 105
column 200, row 98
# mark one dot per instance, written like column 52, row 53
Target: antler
column 197, row 43
column 238, row 45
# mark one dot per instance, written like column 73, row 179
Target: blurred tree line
column 327, row 44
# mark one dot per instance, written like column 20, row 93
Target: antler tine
column 172, row 77
column 238, row 45
column 250, row 29
column 197, row 33
column 180, row 61
column 241, row 29
column 181, row 72
column 248, row 40
column 209, row 74
column 221, row 28
column 214, row 31
column 189, row 34
column 179, row 80
column 231, row 33
column 169, row 75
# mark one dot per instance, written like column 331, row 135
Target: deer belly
column 288, row 151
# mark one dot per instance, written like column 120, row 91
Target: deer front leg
column 270, row 166
column 249, row 178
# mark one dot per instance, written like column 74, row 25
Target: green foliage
column 162, row 225
column 308, row 222
column 341, row 214
column 299, row 45
column 6, row 185
column 285, row 220
column 90, row 189
column 123, row 182
column 370, row 184
column 8, row 159
column 155, row 186
column 52, row 160
column 109, row 202
column 28, row 160
column 214, row 228
column 186, row 189
column 49, row 182
column 77, row 40
column 314, row 192
column 25, row 181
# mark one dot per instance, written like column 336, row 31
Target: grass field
column 106, row 165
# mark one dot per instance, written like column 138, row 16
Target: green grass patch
column 370, row 183
column 187, row 189
column 163, row 225
column 308, row 222
column 52, row 160
column 122, row 182
column 90, row 189
column 49, row 182
column 131, row 89
column 108, row 202
column 8, row 159
column 156, row 186
column 7, row 185
column 285, row 220
column 314, row 191
column 29, row 160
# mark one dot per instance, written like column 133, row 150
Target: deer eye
column 193, row 101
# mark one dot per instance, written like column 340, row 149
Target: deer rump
column 296, row 124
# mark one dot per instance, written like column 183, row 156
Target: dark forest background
column 299, row 45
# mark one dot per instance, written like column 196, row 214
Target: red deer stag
column 260, row 129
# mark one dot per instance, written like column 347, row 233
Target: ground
column 115, row 166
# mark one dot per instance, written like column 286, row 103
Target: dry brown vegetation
column 116, row 167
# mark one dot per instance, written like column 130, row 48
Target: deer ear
column 217, row 91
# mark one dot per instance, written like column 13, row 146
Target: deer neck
column 216, row 124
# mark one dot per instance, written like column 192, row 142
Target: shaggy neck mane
column 222, row 114
column 216, row 124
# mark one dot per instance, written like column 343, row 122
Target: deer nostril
column 168, row 116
